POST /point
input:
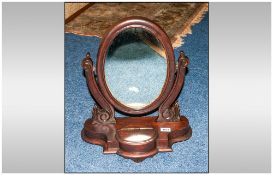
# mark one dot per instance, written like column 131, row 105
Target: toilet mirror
column 135, row 74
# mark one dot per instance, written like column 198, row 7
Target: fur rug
column 175, row 18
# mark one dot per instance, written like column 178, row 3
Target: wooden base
column 136, row 138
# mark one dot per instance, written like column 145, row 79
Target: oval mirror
column 135, row 68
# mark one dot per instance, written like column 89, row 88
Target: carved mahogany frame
column 106, row 130
column 159, row 33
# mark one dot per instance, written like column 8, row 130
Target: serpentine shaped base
column 136, row 138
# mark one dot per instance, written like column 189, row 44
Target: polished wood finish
column 168, row 111
column 162, row 37
column 114, row 137
column 105, row 112
column 137, row 136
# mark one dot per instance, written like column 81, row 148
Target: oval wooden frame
column 159, row 33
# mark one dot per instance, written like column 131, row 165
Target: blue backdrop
column 188, row 156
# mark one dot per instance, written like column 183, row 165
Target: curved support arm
column 169, row 110
column 105, row 112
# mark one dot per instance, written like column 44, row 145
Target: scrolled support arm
column 169, row 110
column 104, row 113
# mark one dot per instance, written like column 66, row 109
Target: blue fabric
column 187, row 156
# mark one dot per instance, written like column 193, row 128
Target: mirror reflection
column 135, row 68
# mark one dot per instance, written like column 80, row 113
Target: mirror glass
column 135, row 68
